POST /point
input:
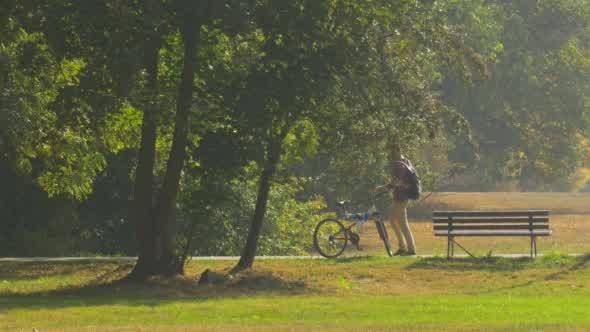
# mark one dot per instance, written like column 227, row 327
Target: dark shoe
column 407, row 253
column 399, row 252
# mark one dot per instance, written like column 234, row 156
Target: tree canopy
column 165, row 128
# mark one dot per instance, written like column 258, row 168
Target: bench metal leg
column 460, row 246
column 450, row 247
column 533, row 246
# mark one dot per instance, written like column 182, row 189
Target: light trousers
column 401, row 228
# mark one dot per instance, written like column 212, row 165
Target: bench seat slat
column 513, row 213
column 491, row 227
column 475, row 220
column 493, row 233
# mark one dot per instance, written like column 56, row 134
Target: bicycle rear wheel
column 330, row 238
column 382, row 230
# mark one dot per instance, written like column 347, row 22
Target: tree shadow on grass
column 12, row 271
column 351, row 259
column 489, row 264
column 108, row 287
column 367, row 259
column 265, row 281
column 580, row 263
column 567, row 264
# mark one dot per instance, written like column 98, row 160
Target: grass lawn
column 356, row 294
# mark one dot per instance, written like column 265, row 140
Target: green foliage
column 222, row 215
column 290, row 222
column 122, row 129
column 34, row 224
column 63, row 158
column 301, row 142
column 527, row 117
column 392, row 91
column 316, row 88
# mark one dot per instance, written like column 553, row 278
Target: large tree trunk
column 154, row 224
column 249, row 252
column 141, row 209
column 166, row 205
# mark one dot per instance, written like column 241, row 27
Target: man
column 403, row 190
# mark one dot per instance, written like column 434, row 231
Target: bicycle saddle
column 342, row 203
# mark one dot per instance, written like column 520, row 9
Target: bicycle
column 331, row 237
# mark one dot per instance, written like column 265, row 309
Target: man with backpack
column 406, row 186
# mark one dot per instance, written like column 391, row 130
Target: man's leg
column 405, row 228
column 394, row 220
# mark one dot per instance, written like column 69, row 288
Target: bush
column 219, row 216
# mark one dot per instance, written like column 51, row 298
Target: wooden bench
column 452, row 224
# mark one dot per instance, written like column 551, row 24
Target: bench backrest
column 490, row 220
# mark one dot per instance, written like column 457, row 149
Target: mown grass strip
column 411, row 312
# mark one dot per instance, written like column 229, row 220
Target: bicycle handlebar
column 373, row 195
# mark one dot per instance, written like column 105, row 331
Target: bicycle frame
column 362, row 217
column 346, row 233
column 372, row 214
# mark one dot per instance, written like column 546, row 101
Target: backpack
column 412, row 187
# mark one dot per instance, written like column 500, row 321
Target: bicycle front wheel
column 384, row 237
column 330, row 238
